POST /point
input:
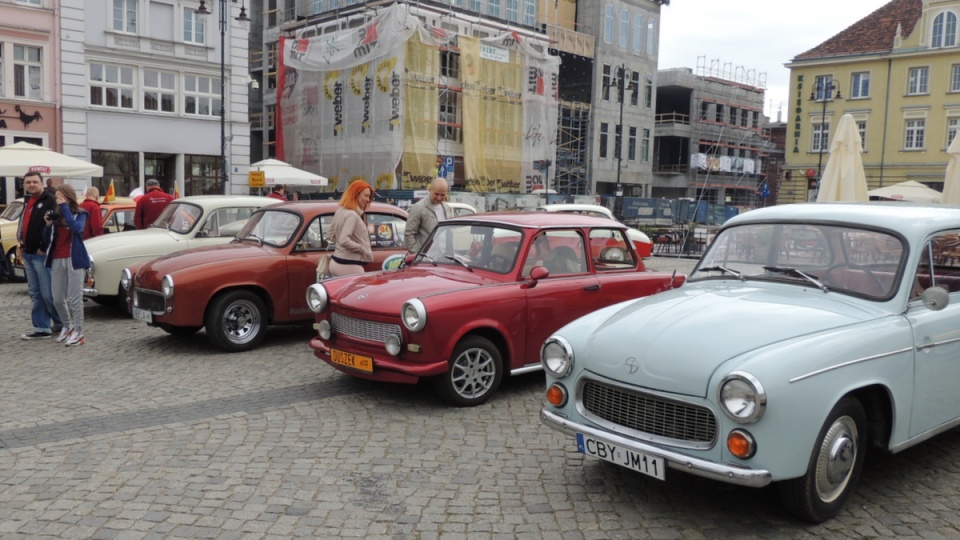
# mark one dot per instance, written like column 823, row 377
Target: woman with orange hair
column 348, row 231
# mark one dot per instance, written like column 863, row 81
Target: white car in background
column 188, row 222
column 640, row 239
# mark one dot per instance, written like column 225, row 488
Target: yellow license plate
column 355, row 361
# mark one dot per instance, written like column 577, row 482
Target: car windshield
column 273, row 227
column 485, row 247
column 179, row 217
column 12, row 211
column 832, row 257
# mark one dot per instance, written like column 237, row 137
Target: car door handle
column 595, row 287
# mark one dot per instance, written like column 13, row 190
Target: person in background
column 424, row 216
column 50, row 189
column 91, row 204
column 67, row 258
column 348, row 231
column 279, row 192
column 33, row 247
column 150, row 205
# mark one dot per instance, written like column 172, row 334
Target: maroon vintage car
column 478, row 300
column 237, row 289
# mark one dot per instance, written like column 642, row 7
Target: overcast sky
column 758, row 35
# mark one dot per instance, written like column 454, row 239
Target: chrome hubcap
column 241, row 321
column 838, row 454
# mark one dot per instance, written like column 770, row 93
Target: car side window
column 312, row 238
column 559, row 251
column 386, row 230
column 945, row 270
column 610, row 250
column 225, row 222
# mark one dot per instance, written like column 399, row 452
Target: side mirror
column 935, row 298
column 536, row 274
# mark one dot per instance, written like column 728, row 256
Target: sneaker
column 64, row 334
column 36, row 335
column 75, row 338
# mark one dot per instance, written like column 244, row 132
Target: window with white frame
column 823, row 87
column 449, row 64
column 27, row 71
column 944, row 33
column 604, row 134
column 30, row 2
column 111, row 86
column 645, row 146
column 821, row 137
column 913, row 133
column 159, row 91
column 194, row 27
column 955, row 78
column 860, row 85
column 201, row 95
column 493, row 8
column 635, row 86
column 953, row 125
column 125, row 16
column 917, row 80
column 316, row 6
column 632, row 145
column 513, row 10
column 624, row 28
column 638, row 33
column 606, row 82
column 448, row 121
column 475, row 5
column 608, row 16
column 648, row 92
column 530, row 12
column 744, row 118
column 651, row 36
column 862, row 130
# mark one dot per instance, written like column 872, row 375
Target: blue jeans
column 38, row 284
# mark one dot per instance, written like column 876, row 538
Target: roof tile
column 872, row 34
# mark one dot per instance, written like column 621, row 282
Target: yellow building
column 897, row 72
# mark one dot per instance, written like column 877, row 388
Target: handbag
column 323, row 267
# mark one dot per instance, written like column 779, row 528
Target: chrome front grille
column 361, row 329
column 649, row 413
column 149, row 300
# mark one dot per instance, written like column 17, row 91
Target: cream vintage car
column 188, row 222
column 9, row 219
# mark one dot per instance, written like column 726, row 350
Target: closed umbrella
column 843, row 178
column 951, row 180
column 276, row 172
column 20, row 158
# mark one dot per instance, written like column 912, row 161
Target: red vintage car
column 235, row 290
column 478, row 300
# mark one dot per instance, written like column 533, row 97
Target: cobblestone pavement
column 141, row 435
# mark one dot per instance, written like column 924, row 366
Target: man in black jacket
column 33, row 247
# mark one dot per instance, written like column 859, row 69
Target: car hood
column 223, row 254
column 153, row 242
column 680, row 338
column 385, row 292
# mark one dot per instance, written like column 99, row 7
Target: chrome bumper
column 674, row 460
column 90, row 292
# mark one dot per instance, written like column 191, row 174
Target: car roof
column 576, row 207
column 331, row 205
column 899, row 216
column 540, row 219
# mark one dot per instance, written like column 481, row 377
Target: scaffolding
column 572, row 130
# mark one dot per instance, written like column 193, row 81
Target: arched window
column 944, row 30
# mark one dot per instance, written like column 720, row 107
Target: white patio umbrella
column 843, row 179
column 908, row 191
column 951, row 180
column 278, row 172
column 20, row 158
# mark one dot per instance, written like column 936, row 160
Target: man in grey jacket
column 422, row 218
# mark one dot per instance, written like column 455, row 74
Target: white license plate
column 607, row 451
column 143, row 315
column 19, row 272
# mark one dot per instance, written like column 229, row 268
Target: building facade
column 141, row 93
column 29, row 79
column 897, row 72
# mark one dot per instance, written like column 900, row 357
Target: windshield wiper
column 460, row 259
column 724, row 269
column 423, row 255
column 796, row 273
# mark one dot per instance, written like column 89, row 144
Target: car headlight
column 556, row 355
column 317, row 298
column 742, row 397
column 126, row 279
column 166, row 286
column 414, row 315
column 393, row 343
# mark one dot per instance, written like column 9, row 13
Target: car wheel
column 834, row 466
column 474, row 374
column 9, row 259
column 235, row 321
column 179, row 331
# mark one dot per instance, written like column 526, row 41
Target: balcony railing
column 672, row 118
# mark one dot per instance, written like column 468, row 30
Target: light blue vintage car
column 805, row 334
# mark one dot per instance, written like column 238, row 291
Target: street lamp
column 202, row 10
column 823, row 93
column 622, row 86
